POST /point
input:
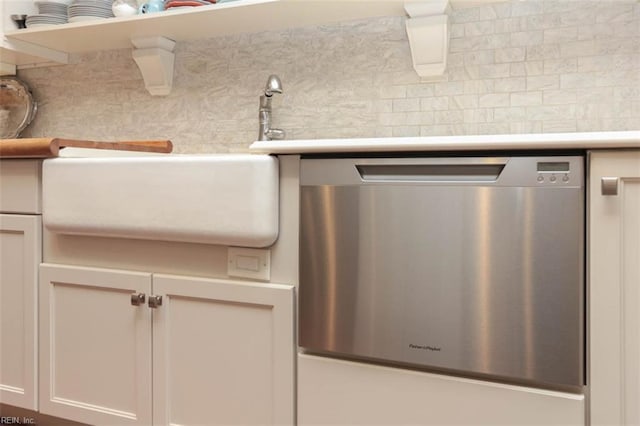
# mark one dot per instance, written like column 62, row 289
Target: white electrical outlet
column 249, row 263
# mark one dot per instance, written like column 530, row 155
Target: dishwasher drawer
column 473, row 265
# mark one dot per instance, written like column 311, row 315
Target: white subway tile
column 422, row 118
column 526, row 127
column 526, row 38
column 559, row 97
column 562, row 6
column 508, row 25
column 525, row 8
column 479, row 86
column 535, row 22
column 493, row 71
column 626, row 93
column 510, row 54
column 463, row 101
column 511, row 84
column 455, row 59
column 493, row 128
column 478, row 57
column 558, row 126
column 478, row 115
column 449, row 88
column 517, row 69
column 405, row 131
column 580, row 16
column 560, row 66
column 614, row 12
column 456, row 30
column 587, row 111
column 392, row 118
column 626, row 28
column 393, row 92
column 493, row 100
column 578, row 48
column 526, row 98
column 383, row 105
column 618, row 45
column 577, row 80
column 479, row 28
column 544, row 82
column 619, row 124
column 534, row 67
column 436, row 103
column 406, row 105
column 589, row 32
column 502, row 10
column 510, row 114
column 420, row 90
column 560, row 35
column 448, row 117
column 551, row 112
column 484, row 42
column 474, row 14
column 543, row 51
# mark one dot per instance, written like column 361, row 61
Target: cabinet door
column 95, row 346
column 614, row 286
column 20, row 254
column 223, row 352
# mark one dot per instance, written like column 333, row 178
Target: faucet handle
column 275, row 134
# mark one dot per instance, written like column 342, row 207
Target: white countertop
column 586, row 140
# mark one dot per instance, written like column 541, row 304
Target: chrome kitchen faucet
column 274, row 85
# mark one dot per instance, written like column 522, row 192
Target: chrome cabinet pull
column 155, row 301
column 138, row 299
column 609, row 185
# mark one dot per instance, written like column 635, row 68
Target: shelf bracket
column 428, row 33
column 7, row 69
column 155, row 58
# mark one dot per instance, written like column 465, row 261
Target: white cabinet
column 95, row 347
column 614, row 288
column 222, row 351
column 18, row 53
column 20, row 254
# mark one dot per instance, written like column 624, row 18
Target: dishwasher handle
column 430, row 172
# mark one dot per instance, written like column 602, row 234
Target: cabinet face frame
column 30, row 228
column 614, row 289
column 83, row 281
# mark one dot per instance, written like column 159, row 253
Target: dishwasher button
column 565, row 178
column 540, row 178
column 552, row 179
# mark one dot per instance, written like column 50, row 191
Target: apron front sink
column 224, row 199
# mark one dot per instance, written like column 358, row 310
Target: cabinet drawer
column 20, row 186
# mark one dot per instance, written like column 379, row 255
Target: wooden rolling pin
column 49, row 147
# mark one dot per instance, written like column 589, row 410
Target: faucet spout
column 266, row 133
column 274, row 85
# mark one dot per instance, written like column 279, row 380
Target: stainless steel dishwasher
column 469, row 265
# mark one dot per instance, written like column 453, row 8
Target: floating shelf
column 242, row 16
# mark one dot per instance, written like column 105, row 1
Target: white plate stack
column 49, row 13
column 89, row 10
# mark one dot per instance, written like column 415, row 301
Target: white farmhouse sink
column 215, row 199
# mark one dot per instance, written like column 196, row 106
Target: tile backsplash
column 514, row 67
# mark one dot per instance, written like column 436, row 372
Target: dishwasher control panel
column 554, row 172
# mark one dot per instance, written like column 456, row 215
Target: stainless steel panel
column 484, row 278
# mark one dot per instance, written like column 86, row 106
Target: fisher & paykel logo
column 425, row 347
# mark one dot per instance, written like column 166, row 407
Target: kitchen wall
column 514, row 67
